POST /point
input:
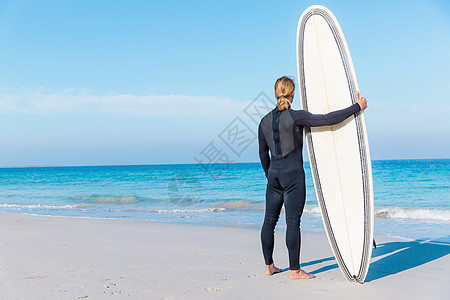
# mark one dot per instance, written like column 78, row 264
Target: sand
column 45, row 257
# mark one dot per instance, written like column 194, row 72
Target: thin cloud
column 71, row 102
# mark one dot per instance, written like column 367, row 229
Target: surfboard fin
column 374, row 244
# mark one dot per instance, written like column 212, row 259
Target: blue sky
column 143, row 82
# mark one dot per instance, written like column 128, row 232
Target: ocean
column 412, row 197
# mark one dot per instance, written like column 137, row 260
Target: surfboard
column 339, row 155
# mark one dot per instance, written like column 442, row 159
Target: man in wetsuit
column 281, row 133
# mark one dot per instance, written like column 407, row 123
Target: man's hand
column 361, row 101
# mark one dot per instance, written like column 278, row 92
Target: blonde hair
column 284, row 87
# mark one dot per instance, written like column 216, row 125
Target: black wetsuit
column 281, row 132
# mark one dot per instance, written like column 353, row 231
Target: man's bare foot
column 300, row 274
column 271, row 269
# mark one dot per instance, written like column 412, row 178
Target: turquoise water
column 412, row 197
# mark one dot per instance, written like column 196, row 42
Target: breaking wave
column 384, row 212
column 240, row 204
column 107, row 199
column 424, row 214
column 392, row 212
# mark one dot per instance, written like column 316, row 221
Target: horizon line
column 168, row 164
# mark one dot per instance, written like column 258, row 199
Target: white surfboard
column 339, row 155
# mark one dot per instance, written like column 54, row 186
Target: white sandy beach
column 76, row 258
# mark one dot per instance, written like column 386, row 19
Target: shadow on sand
column 396, row 257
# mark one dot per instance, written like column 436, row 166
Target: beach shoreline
column 411, row 197
column 44, row 257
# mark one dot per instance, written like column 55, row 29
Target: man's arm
column 263, row 151
column 305, row 118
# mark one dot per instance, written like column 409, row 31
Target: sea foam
column 392, row 212
column 423, row 214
